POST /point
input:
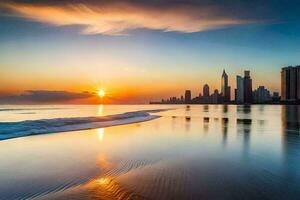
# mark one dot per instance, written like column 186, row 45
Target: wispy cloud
column 118, row 18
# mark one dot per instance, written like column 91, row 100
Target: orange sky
column 138, row 52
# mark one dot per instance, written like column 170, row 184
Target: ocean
column 149, row 152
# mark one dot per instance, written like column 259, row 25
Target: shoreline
column 10, row 130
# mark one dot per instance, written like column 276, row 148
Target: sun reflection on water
column 100, row 133
column 100, row 110
column 103, row 181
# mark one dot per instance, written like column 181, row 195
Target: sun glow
column 101, row 93
column 100, row 133
column 103, row 181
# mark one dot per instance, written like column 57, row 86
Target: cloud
column 43, row 96
column 119, row 17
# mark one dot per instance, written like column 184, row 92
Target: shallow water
column 201, row 152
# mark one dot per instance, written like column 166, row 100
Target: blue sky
column 36, row 53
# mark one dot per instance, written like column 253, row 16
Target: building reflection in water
column 187, row 123
column 187, row 108
column 290, row 117
column 225, row 108
column 261, row 108
column 187, row 118
column 173, row 122
column 225, row 121
column 206, row 108
column 224, row 131
column 243, row 126
column 205, row 124
column 244, row 109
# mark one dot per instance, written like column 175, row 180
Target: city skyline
column 244, row 93
column 39, row 96
column 71, row 50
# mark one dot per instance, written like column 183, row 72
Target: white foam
column 10, row 130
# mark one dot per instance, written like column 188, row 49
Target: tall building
column 247, row 87
column 298, row 82
column 228, row 94
column 188, row 96
column 239, row 89
column 290, row 83
column 215, row 97
column 275, row 97
column 261, row 95
column 225, row 89
column 284, row 84
column 206, row 90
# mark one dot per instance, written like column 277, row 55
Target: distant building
column 247, row 87
column 206, row 90
column 225, row 89
column 215, row 97
column 235, row 94
column 275, row 97
column 188, row 96
column 261, row 95
column 290, row 83
column 228, row 94
column 276, row 94
column 239, row 89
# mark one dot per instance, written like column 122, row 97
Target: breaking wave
column 10, row 130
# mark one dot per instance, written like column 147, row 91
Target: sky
column 141, row 51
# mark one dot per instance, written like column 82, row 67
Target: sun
column 101, row 93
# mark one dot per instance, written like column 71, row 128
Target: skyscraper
column 261, row 95
column 290, row 83
column 239, row 89
column 206, row 90
column 298, row 83
column 284, row 84
column 247, row 87
column 225, row 89
column 188, row 96
column 215, row 97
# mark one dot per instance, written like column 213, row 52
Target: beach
column 195, row 152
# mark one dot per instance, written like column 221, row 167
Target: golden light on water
column 100, row 133
column 103, row 181
column 100, row 110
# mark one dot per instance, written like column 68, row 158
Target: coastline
column 10, row 130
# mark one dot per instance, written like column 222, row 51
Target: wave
column 10, row 130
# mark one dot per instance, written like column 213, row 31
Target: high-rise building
column 225, row 89
column 206, row 90
column 215, row 97
column 228, row 94
column 239, row 89
column 276, row 94
column 298, row 82
column 284, row 84
column 290, row 83
column 261, row 95
column 247, row 87
column 188, row 96
column 275, row 97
